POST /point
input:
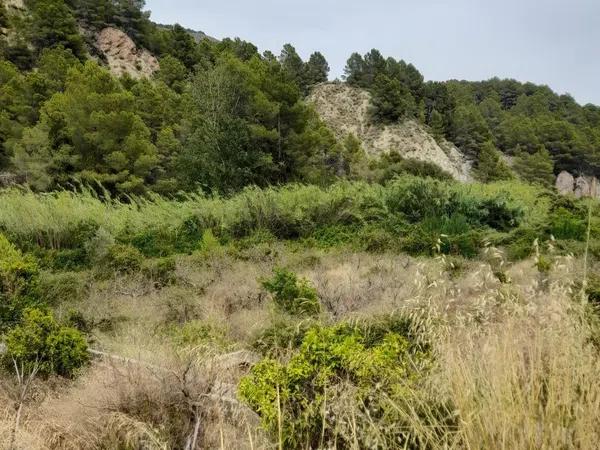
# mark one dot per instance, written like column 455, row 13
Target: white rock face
column 582, row 186
column 565, row 183
column 345, row 109
column 18, row 4
column 123, row 56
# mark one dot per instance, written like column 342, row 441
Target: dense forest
column 219, row 116
column 194, row 259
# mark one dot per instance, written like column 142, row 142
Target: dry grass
column 514, row 362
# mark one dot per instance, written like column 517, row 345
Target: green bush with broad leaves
column 293, row 295
column 19, row 277
column 372, row 363
column 39, row 343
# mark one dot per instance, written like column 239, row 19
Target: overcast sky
column 553, row 42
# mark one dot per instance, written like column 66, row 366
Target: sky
column 552, row 42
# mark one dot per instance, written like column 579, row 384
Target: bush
column 67, row 259
column 121, row 259
column 374, row 364
column 393, row 164
column 281, row 336
column 196, row 333
column 417, row 198
column 38, row 341
column 447, row 235
column 564, row 224
column 19, row 276
column 57, row 288
column 161, row 271
column 293, row 295
column 160, row 241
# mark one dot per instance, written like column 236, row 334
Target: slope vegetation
column 346, row 110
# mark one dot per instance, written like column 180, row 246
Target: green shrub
column 564, row 224
column 163, row 241
column 281, row 336
column 520, row 242
column 291, row 294
column 417, row 198
column 19, row 277
column 196, row 333
column 393, row 164
column 593, row 289
column 161, row 271
column 375, row 364
column 121, row 259
column 62, row 287
column 333, row 236
column 39, row 341
column 377, row 240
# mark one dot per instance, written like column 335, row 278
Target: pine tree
column 436, row 122
column 53, row 25
column 316, row 70
column 490, row 166
column 292, row 64
column 535, row 167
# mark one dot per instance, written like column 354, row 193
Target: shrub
column 417, row 198
column 56, row 288
column 376, row 239
column 291, row 294
column 566, row 225
column 281, row 336
column 66, row 259
column 121, row 259
column 161, row 271
column 19, row 275
column 393, row 164
column 333, row 236
column 39, row 341
column 163, row 241
column 375, row 365
column 196, row 333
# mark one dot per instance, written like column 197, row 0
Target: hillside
column 347, row 110
column 204, row 245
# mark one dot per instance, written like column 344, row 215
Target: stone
column 123, row 56
column 565, row 183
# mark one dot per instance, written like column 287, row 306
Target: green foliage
column 161, row 271
column 196, row 334
column 3, row 15
column 248, row 126
column 565, row 224
column 90, row 133
column 121, row 259
column 62, row 287
column 19, row 276
column 490, row 165
column 293, row 295
column 330, row 361
column 417, row 199
column 53, row 25
column 469, row 130
column 393, row 164
column 316, row 69
column 396, row 87
column 535, row 167
column 39, row 342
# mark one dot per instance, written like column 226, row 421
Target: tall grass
column 54, row 220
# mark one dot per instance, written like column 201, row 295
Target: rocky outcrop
column 582, row 186
column 17, row 4
column 565, row 183
column 123, row 56
column 345, row 109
